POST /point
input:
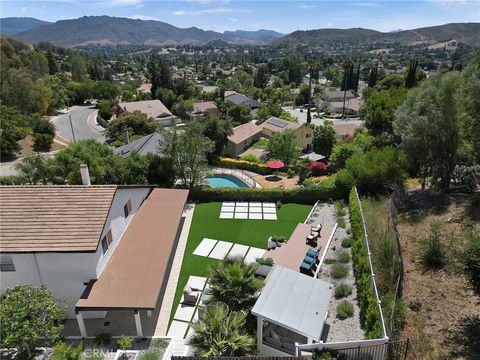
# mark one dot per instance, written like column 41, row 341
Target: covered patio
column 128, row 293
column 291, row 310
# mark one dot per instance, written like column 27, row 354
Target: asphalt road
column 84, row 124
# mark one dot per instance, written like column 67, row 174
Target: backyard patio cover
column 295, row 301
column 135, row 273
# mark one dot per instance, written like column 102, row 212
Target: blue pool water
column 217, row 181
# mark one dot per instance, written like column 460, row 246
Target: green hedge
column 301, row 195
column 369, row 312
column 243, row 165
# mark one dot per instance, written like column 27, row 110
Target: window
column 308, row 135
column 127, row 208
column 6, row 264
column 107, row 241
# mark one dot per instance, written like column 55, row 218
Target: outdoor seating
column 190, row 296
column 317, row 228
column 312, row 237
column 306, row 267
column 309, row 259
column 313, row 253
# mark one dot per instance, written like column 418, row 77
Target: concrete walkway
column 167, row 303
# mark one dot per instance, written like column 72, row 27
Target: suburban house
column 145, row 88
column 346, row 130
column 337, row 95
column 333, row 102
column 148, row 144
column 240, row 99
column 152, row 108
column 102, row 249
column 304, row 133
column 243, row 137
column 200, row 108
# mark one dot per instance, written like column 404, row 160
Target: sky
column 282, row 16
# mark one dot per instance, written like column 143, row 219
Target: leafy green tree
column 105, row 90
column 261, row 77
column 166, row 96
column 14, row 127
column 411, row 77
column 137, row 123
column 160, row 74
column 377, row 169
column 52, row 63
column 233, row 283
column 284, row 146
column 372, row 79
column 380, row 110
column 160, row 170
column 324, row 139
column 43, row 132
column 105, row 110
column 220, row 332
column 188, row 150
column 29, row 316
column 303, row 95
column 268, row 109
column 343, row 151
column 216, row 129
column 239, row 114
column 35, row 169
column 78, row 67
column 183, row 108
column 429, row 125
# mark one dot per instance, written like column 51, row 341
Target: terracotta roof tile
column 53, row 218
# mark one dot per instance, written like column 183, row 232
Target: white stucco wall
column 65, row 273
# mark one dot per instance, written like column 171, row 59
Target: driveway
column 83, row 122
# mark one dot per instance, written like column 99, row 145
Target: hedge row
column 243, row 165
column 369, row 312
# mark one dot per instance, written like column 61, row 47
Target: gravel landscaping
column 348, row 329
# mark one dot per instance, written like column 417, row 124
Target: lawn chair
column 306, row 267
column 317, row 228
column 313, row 253
column 309, row 259
column 190, row 296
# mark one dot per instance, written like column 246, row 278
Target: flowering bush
column 244, row 165
column 317, row 168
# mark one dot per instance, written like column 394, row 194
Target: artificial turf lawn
column 206, row 224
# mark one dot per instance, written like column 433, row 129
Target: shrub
column 290, row 173
column 467, row 178
column 103, row 339
column 66, row 352
column 43, row 132
column 278, row 238
column 148, row 355
column 317, row 168
column 341, row 222
column 344, row 310
column 339, row 271
column 265, row 261
column 433, row 251
column 344, row 257
column 125, row 342
column 329, row 261
column 471, row 259
column 339, row 206
column 251, row 158
column 159, row 343
column 344, row 181
column 42, row 141
column 342, row 290
column 244, row 165
column 105, row 110
column 347, row 242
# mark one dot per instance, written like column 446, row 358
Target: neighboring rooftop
column 148, row 144
column 145, row 88
column 238, row 99
column 152, row 108
column 343, row 130
column 53, row 218
column 136, row 272
column 201, row 107
column 338, row 94
column 276, row 124
column 294, row 301
column 244, row 132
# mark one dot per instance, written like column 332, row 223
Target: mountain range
column 106, row 30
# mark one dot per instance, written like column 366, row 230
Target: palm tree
column 346, row 65
column 220, row 332
column 233, row 283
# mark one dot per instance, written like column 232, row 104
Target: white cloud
column 330, row 25
column 218, row 10
column 232, row 19
column 306, row 7
column 118, row 3
column 455, row 3
column 143, row 17
column 366, row 4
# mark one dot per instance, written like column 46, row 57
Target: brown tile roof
column 343, row 130
column 203, row 106
column 244, row 132
column 53, row 218
column 138, row 267
column 152, row 108
column 270, row 124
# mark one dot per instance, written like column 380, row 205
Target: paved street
column 302, row 117
column 84, row 124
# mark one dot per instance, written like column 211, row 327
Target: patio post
column 259, row 333
column 81, row 323
column 138, row 324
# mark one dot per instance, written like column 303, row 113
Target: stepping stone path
column 254, row 210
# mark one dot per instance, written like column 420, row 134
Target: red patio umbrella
column 275, row 164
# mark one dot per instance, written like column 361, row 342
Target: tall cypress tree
column 411, row 79
column 372, row 81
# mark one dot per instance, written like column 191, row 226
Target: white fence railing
column 238, row 174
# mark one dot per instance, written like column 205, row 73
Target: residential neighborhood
column 187, row 180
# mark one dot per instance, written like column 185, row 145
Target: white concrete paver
column 238, row 250
column 253, row 254
column 270, row 216
column 184, row 312
column 197, row 282
column 241, row 215
column 226, row 215
column 205, row 246
column 177, row 330
column 255, row 216
column 221, row 250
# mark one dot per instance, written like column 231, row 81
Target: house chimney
column 125, row 136
column 85, row 175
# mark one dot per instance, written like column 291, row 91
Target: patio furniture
column 313, row 253
column 312, row 238
column 315, row 233
column 201, row 310
column 190, row 296
column 309, row 259
column 317, row 228
column 306, row 267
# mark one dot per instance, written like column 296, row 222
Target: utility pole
column 71, row 126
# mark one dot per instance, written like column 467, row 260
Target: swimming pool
column 228, row 181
